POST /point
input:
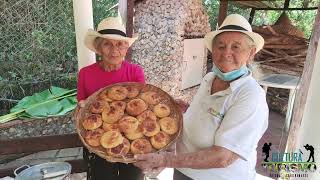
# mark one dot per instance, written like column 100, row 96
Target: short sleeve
column 81, row 86
column 243, row 124
column 139, row 74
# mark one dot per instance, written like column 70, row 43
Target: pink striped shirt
column 93, row 77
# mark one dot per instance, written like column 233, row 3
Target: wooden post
column 302, row 92
column 129, row 25
column 223, row 11
column 253, row 10
column 286, row 3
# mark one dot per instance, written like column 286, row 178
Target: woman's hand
column 212, row 157
column 182, row 105
column 82, row 103
column 157, row 159
column 150, row 161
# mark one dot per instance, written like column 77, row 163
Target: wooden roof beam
column 288, row 9
column 223, row 9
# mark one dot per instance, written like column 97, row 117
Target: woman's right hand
column 182, row 105
column 82, row 103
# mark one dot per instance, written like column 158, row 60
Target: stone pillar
column 83, row 20
column 162, row 26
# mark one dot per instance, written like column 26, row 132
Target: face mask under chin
column 231, row 75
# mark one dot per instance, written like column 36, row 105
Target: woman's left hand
column 150, row 161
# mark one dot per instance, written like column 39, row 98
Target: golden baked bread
column 146, row 115
column 93, row 137
column 136, row 134
column 128, row 124
column 99, row 106
column 117, row 93
column 150, row 127
column 104, row 96
column 109, row 127
column 111, row 139
column 121, row 150
column 92, row 122
column 119, row 104
column 150, row 97
column 136, row 107
column 169, row 125
column 113, row 115
column 132, row 91
column 161, row 110
column 141, row 146
column 124, row 119
column 160, row 140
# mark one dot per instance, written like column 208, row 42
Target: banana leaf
column 68, row 104
column 51, row 102
column 37, row 98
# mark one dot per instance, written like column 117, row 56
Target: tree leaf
column 51, row 102
column 57, row 91
column 32, row 100
column 67, row 105
column 45, row 109
column 73, row 99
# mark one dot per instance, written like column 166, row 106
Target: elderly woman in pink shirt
column 111, row 44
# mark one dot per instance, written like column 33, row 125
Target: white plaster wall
column 83, row 20
column 310, row 126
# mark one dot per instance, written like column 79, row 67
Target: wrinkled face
column 112, row 51
column 231, row 50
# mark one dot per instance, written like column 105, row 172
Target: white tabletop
column 283, row 81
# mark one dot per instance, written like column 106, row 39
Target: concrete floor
column 275, row 134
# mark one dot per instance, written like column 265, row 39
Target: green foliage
column 38, row 46
column 101, row 10
column 51, row 102
column 212, row 8
column 304, row 20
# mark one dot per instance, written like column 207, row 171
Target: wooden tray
column 100, row 151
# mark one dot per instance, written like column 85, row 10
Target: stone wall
column 162, row 26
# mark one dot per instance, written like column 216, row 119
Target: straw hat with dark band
column 109, row 28
column 235, row 23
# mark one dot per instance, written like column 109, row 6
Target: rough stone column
column 162, row 26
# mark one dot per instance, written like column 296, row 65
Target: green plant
column 304, row 20
column 38, row 46
column 51, row 102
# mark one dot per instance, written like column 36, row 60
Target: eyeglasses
column 119, row 45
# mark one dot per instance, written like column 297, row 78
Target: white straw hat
column 109, row 28
column 235, row 22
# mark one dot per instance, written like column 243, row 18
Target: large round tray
column 80, row 113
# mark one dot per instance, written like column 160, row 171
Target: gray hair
column 250, row 42
column 97, row 43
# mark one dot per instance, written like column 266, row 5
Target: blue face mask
column 232, row 75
